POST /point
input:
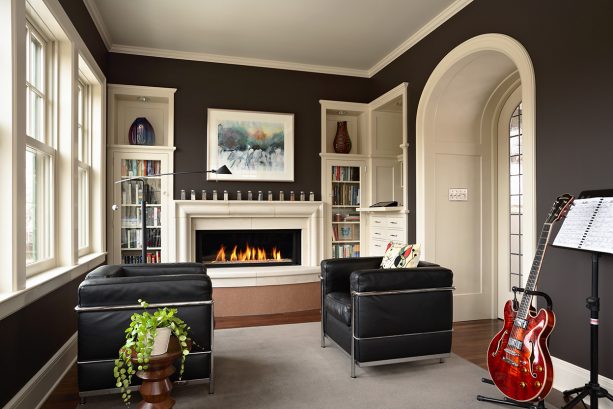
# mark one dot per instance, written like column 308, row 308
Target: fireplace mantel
column 192, row 215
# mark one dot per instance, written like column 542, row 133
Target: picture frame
column 255, row 146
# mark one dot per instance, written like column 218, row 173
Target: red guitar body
column 522, row 374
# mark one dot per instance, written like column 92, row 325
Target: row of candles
column 239, row 196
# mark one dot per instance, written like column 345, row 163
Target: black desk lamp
column 223, row 170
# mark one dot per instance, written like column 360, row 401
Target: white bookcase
column 378, row 134
column 126, row 103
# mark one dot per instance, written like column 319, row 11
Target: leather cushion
column 338, row 304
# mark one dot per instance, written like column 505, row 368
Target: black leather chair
column 381, row 316
column 109, row 296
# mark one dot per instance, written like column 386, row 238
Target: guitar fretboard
column 534, row 271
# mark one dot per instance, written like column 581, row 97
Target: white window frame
column 48, row 147
column 84, row 121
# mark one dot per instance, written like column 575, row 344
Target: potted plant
column 140, row 336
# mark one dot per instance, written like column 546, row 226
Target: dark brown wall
column 202, row 85
column 569, row 43
column 32, row 335
column 84, row 24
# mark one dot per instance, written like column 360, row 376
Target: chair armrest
column 114, row 291
column 335, row 272
column 401, row 279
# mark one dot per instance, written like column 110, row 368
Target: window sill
column 42, row 284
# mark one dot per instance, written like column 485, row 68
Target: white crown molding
column 432, row 25
column 437, row 21
column 226, row 59
column 99, row 23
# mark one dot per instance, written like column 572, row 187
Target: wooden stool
column 156, row 387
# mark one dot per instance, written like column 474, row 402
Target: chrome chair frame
column 355, row 295
column 210, row 379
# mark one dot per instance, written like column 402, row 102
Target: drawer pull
column 393, row 222
column 377, row 233
column 377, row 245
column 393, row 235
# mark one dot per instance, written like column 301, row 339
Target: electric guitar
column 518, row 359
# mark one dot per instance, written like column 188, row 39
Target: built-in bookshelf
column 344, row 219
column 131, row 212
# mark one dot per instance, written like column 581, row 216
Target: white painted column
column 12, row 145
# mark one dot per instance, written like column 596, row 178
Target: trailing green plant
column 139, row 342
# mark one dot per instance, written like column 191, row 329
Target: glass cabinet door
column 345, row 200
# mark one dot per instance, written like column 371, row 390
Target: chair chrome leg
column 82, row 400
column 211, row 360
column 321, row 311
column 353, row 298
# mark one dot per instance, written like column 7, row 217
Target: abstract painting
column 253, row 145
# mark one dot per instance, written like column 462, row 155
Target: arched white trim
column 426, row 112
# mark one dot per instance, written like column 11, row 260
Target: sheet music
column 588, row 226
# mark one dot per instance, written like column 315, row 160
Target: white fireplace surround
column 192, row 215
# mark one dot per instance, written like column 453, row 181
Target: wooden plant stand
column 156, row 387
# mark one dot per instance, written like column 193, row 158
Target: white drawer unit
column 385, row 228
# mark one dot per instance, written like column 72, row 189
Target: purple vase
column 141, row 132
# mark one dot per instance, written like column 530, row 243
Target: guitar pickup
column 511, row 352
column 515, row 343
column 521, row 323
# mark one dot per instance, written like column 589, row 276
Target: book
column 588, row 226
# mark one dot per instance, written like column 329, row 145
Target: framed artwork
column 253, row 145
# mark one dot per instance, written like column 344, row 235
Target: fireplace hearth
column 263, row 247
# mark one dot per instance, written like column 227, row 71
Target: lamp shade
column 223, row 170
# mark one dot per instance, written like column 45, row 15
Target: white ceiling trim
column 432, row 25
column 429, row 27
column 99, row 23
column 226, row 59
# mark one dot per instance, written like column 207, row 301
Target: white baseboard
column 36, row 391
column 569, row 376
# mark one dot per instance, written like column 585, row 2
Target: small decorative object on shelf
column 193, row 195
column 225, row 195
column 260, row 195
column 342, row 142
column 182, row 194
column 214, row 194
column 141, row 132
column 239, row 195
column 204, row 195
column 292, row 197
column 281, row 195
column 249, row 195
column 311, row 196
column 270, row 195
column 302, row 197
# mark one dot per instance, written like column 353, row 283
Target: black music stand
column 592, row 388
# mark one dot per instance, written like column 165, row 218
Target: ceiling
column 352, row 37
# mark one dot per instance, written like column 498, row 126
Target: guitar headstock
column 560, row 208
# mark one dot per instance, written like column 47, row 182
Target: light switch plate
column 458, row 194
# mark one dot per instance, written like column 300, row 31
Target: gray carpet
column 283, row 367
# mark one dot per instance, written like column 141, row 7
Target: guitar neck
column 534, row 271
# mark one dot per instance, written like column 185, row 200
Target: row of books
column 131, row 239
column 346, row 195
column 131, row 217
column 132, row 192
column 345, row 250
column 138, row 167
column 152, row 257
column 345, row 173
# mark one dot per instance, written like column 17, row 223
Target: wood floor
column 470, row 340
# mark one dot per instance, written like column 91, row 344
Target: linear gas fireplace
column 232, row 248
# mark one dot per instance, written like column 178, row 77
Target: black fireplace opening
column 232, row 248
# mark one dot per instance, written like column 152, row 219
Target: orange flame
column 249, row 254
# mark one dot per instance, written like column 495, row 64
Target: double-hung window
column 40, row 155
column 84, row 165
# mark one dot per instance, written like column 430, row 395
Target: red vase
column 342, row 142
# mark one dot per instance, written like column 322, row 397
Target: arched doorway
column 457, row 155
